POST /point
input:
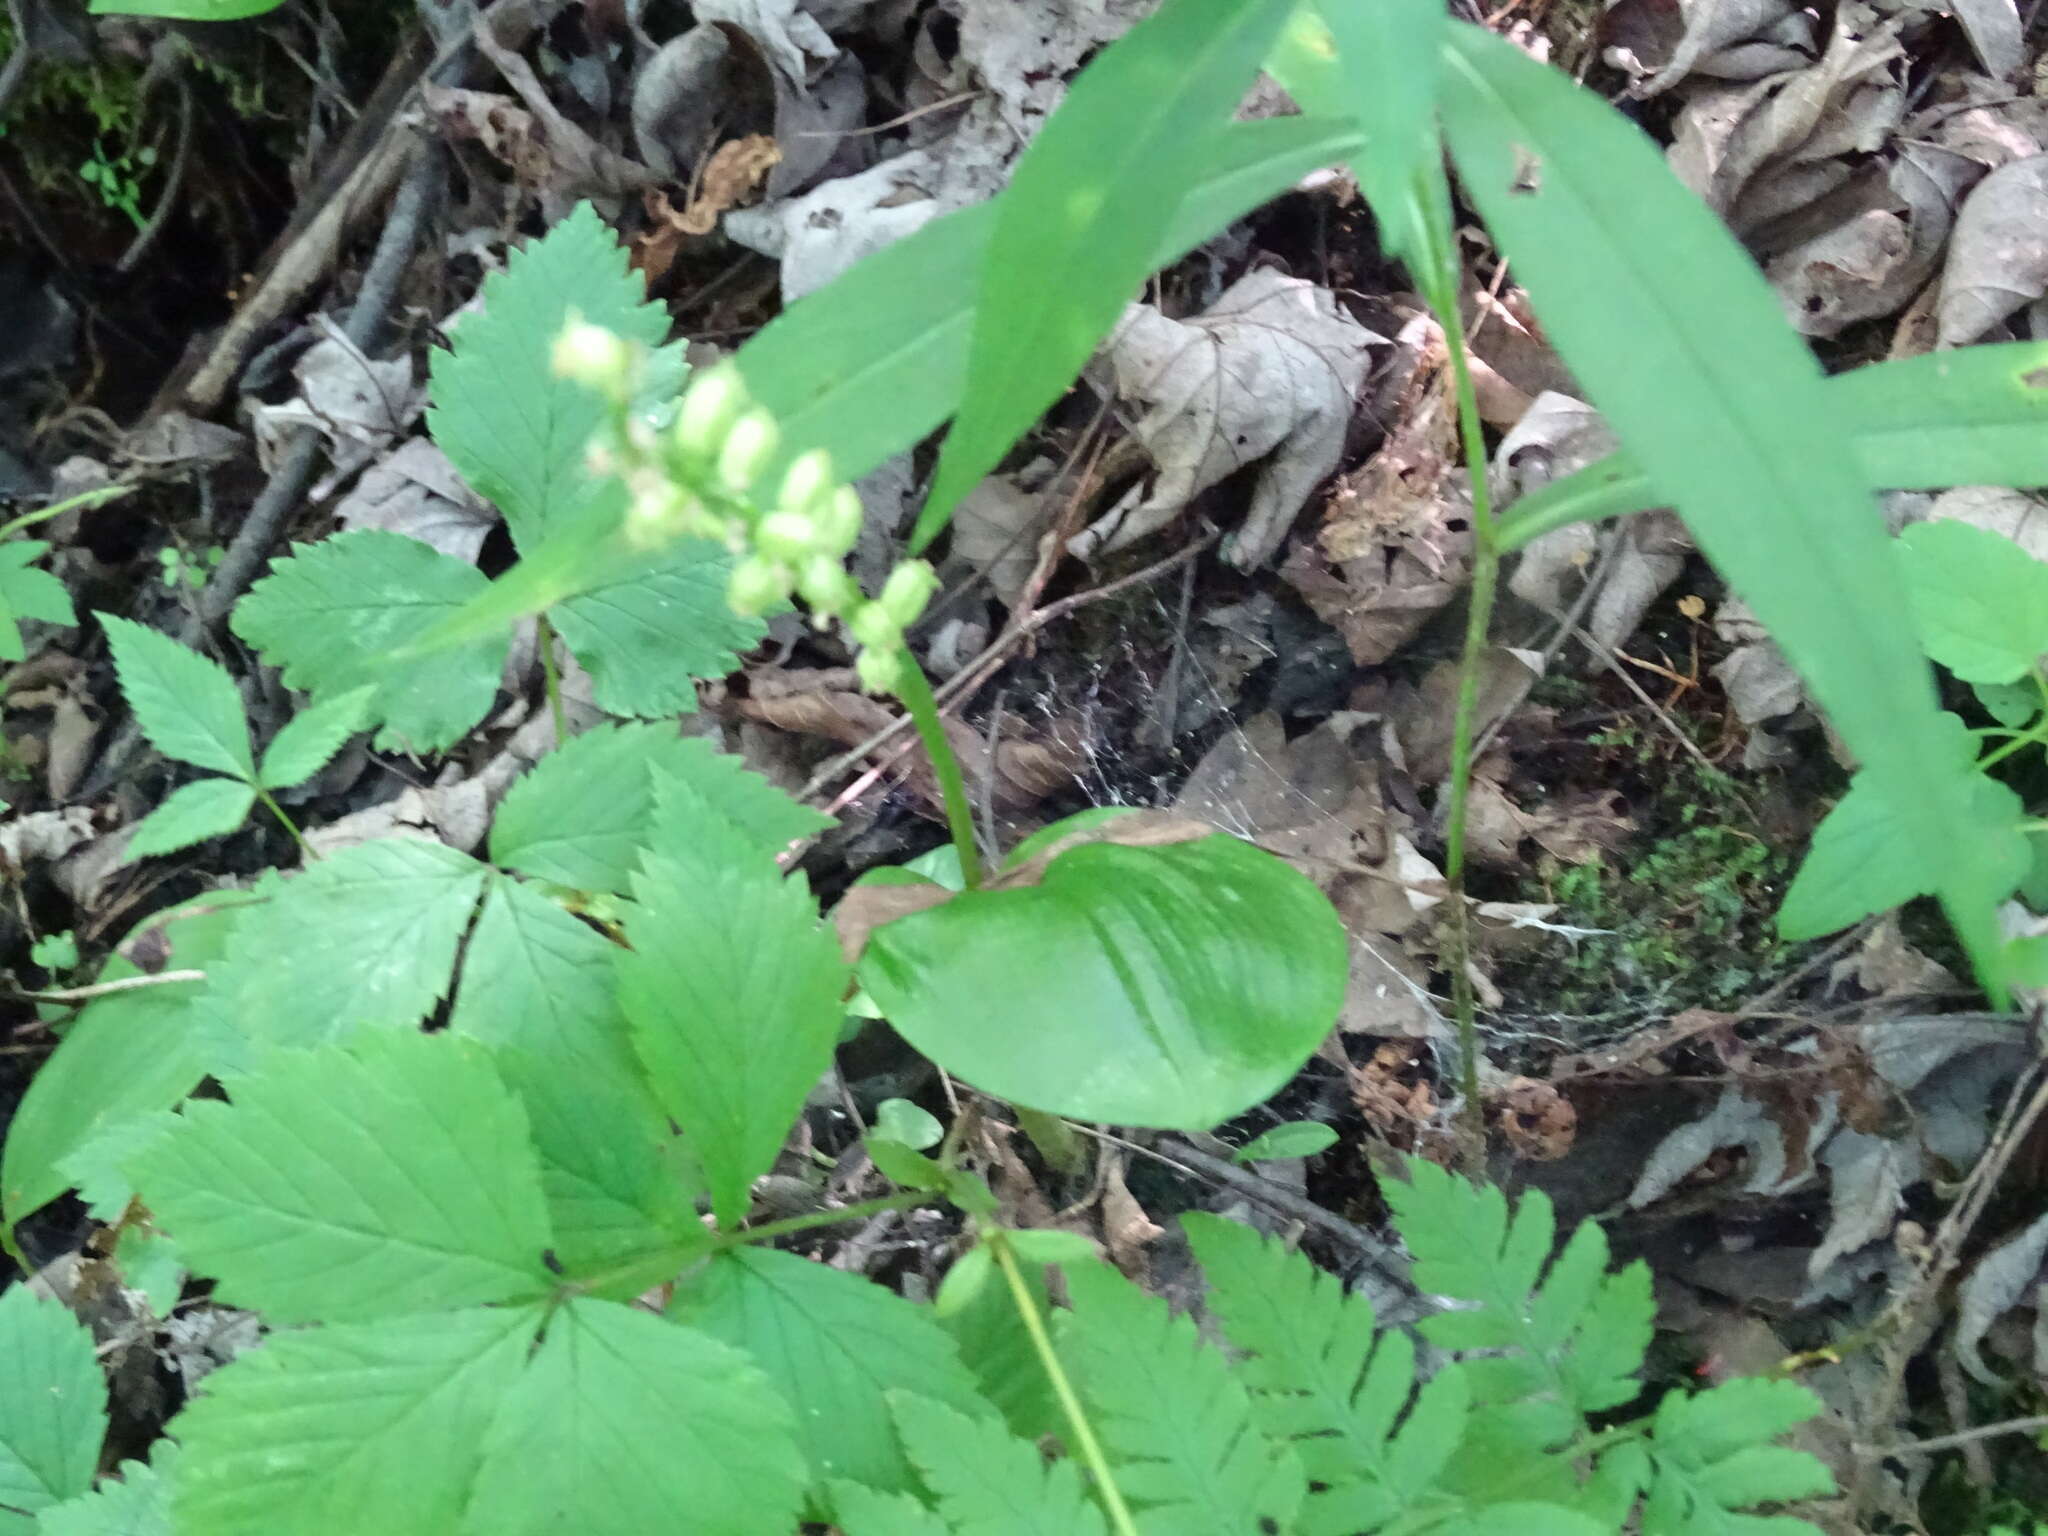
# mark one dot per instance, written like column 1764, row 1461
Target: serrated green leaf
column 513, row 426
column 1103, row 175
column 1559, row 1345
column 834, row 1345
column 150, row 1262
column 582, row 814
column 310, row 738
column 362, row 1427
column 191, row 814
column 2011, row 704
column 646, row 637
column 732, row 988
column 1710, row 1456
column 1981, row 600
column 1862, row 860
column 537, row 979
column 899, row 1120
column 1724, row 406
column 625, row 1424
column 859, row 1511
column 136, row 1502
column 614, row 1175
column 333, row 614
column 53, row 1407
column 987, row 1481
column 345, row 1184
column 996, row 1346
column 128, row 1053
column 365, row 939
column 98, row 1170
column 185, row 703
column 1321, row 1381
column 27, row 593
column 873, row 362
column 1161, row 986
column 1176, row 1421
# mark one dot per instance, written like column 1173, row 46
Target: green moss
column 1684, row 915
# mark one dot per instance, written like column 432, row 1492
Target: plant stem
column 901, row 1200
column 915, row 690
column 312, row 855
column 1086, row 1446
column 82, row 500
column 1442, row 288
column 545, row 633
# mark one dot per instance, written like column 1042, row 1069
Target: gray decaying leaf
column 418, row 493
column 1268, row 373
column 1993, row 28
column 1997, row 509
column 996, row 529
column 1641, row 44
column 1998, row 256
column 1997, row 1283
column 1736, row 1120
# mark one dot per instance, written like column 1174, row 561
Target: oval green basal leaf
column 1163, row 986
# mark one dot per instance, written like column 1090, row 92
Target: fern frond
column 987, row 1481
column 1556, row 1346
column 1321, row 1380
column 1711, row 1457
column 1177, row 1423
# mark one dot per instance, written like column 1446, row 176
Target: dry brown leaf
column 1998, row 255
column 499, row 124
column 1392, row 1091
column 736, row 168
column 867, row 907
column 1126, row 1230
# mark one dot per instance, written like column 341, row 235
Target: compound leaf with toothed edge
column 836, row 1345
column 331, row 614
column 135, row 1502
column 861, row 1511
column 515, row 428
column 1175, row 1420
column 1321, row 1381
column 622, row 1422
column 364, row 940
column 343, row 1184
column 27, row 593
column 1711, row 1456
column 1562, row 1338
column 732, row 989
column 185, row 703
column 192, row 813
column 986, row 1480
column 309, row 740
column 53, row 1407
column 1088, row 197
column 1721, row 403
column 355, row 1427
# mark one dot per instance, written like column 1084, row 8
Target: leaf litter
column 1882, row 166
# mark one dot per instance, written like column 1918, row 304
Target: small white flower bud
column 715, row 397
column 839, row 522
column 756, row 586
column 593, row 357
column 880, row 670
column 808, row 482
column 825, row 585
column 870, row 624
column 909, row 587
column 788, row 536
column 747, row 449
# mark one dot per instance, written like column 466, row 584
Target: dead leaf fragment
column 1268, row 373
column 736, row 168
column 1998, row 255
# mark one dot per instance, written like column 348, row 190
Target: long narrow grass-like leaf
column 872, row 363
column 1978, row 416
column 1684, row 347
column 1076, row 230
